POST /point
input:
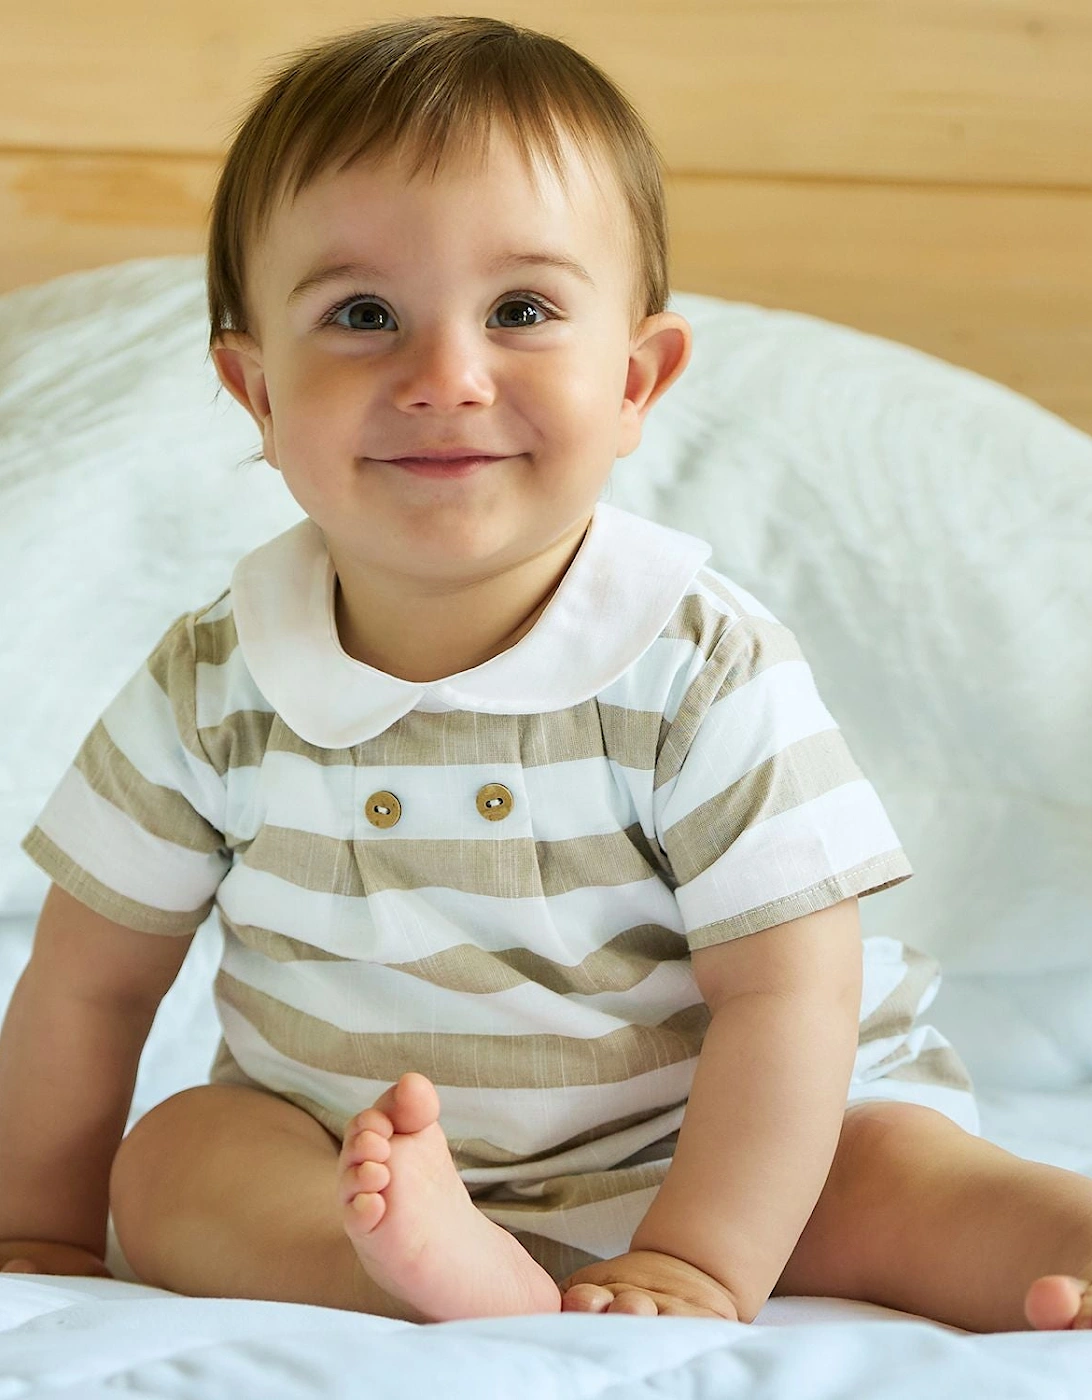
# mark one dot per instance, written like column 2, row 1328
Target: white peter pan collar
column 621, row 588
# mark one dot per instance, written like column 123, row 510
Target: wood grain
column 999, row 281
column 62, row 213
column 967, row 91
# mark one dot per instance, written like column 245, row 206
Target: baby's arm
column 69, row 1051
column 764, row 1114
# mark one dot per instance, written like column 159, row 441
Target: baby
column 536, row 852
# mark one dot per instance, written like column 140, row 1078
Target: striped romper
column 495, row 878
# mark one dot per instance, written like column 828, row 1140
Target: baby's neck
column 425, row 636
column 427, row 644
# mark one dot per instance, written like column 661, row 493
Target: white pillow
column 125, row 498
column 926, row 533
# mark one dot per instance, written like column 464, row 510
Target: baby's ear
column 237, row 357
column 238, row 360
column 659, row 352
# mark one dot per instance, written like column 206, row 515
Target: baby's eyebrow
column 370, row 273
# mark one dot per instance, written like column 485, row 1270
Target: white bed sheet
column 90, row 1337
column 94, row 1337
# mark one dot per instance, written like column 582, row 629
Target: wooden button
column 383, row 809
column 494, row 802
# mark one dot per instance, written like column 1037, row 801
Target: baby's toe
column 371, row 1176
column 370, row 1120
column 1058, row 1301
column 364, row 1212
column 413, row 1103
column 368, row 1146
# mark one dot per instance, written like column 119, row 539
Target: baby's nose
column 445, row 371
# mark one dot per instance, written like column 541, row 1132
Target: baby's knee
column 141, row 1176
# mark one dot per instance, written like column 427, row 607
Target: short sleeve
column 134, row 829
column 760, row 808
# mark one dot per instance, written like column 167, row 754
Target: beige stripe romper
column 494, row 878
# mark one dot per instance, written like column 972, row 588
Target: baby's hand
column 647, row 1284
column 48, row 1257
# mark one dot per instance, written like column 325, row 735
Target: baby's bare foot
column 1058, row 1302
column 413, row 1225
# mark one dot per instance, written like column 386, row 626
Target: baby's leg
column 231, row 1192
column 918, row 1215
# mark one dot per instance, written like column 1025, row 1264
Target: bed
column 924, row 527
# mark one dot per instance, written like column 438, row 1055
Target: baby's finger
column 586, row 1297
column 675, row 1307
column 20, row 1266
column 634, row 1302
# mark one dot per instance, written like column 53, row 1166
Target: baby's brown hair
column 417, row 88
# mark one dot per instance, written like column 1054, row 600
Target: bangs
column 428, row 93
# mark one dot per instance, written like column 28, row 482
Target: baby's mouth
column 440, row 467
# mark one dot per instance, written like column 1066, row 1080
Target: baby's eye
column 525, row 305
column 360, row 315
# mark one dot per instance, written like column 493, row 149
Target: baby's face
column 395, row 320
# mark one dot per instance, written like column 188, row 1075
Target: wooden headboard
column 919, row 169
